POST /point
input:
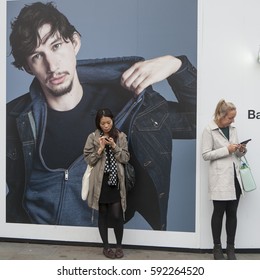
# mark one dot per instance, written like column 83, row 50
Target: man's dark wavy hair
column 25, row 38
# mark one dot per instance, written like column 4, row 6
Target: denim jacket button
column 161, row 195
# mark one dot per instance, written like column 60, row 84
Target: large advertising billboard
column 39, row 201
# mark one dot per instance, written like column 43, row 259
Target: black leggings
column 230, row 208
column 110, row 214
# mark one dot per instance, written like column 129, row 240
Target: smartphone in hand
column 245, row 142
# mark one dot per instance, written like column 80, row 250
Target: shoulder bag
column 246, row 175
column 85, row 182
column 129, row 177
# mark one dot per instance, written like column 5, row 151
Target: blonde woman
column 220, row 146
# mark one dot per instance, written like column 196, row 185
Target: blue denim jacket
column 150, row 121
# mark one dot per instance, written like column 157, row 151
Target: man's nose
column 51, row 63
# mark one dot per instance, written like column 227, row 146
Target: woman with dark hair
column 106, row 150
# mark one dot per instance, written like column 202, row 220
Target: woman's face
column 106, row 124
column 228, row 119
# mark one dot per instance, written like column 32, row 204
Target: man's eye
column 56, row 46
column 36, row 57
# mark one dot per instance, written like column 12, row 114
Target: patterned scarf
column 110, row 165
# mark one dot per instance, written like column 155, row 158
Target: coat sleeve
column 208, row 150
column 121, row 150
column 183, row 112
column 90, row 150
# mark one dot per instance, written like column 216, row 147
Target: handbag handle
column 244, row 161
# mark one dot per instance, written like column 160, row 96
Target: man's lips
column 58, row 79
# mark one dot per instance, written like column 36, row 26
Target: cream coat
column 98, row 162
column 221, row 170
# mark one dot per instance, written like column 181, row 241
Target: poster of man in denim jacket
column 124, row 50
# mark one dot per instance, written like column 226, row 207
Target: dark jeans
column 230, row 208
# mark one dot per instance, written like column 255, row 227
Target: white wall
column 229, row 41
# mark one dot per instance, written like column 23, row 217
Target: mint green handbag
column 246, row 175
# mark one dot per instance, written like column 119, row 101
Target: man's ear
column 76, row 41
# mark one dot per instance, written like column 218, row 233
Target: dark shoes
column 230, row 252
column 119, row 253
column 109, row 253
column 218, row 253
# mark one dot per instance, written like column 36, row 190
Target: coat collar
column 214, row 126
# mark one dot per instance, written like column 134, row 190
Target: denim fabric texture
column 41, row 195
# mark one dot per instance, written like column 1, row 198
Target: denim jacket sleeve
column 15, row 158
column 183, row 112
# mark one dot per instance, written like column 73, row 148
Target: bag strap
column 244, row 161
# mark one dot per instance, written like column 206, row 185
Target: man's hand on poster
column 145, row 73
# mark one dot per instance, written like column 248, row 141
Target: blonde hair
column 222, row 109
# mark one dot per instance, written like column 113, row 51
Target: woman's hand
column 102, row 143
column 104, row 140
column 232, row 148
column 110, row 141
column 242, row 148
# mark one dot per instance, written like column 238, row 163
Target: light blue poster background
column 147, row 28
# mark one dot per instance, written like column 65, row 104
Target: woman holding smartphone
column 106, row 150
column 220, row 146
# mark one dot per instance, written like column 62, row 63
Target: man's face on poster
column 53, row 62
